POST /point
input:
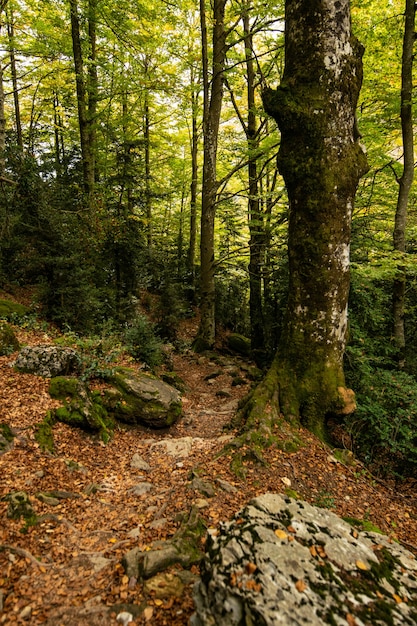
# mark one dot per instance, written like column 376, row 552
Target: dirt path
column 67, row 568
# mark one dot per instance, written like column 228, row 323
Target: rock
column 141, row 398
column 141, row 489
column 99, row 562
column 158, row 524
column 226, row 486
column 47, row 499
column 8, row 340
column 140, row 464
column 183, row 548
column 203, row 486
column 239, row 343
column 20, row 506
column 283, row 561
column 81, row 408
column 164, row 585
column 48, row 361
column 6, row 438
column 181, row 447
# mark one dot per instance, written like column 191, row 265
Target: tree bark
column 256, row 225
column 84, row 122
column 10, row 33
column 321, row 162
column 407, row 177
column 194, row 181
column 213, row 96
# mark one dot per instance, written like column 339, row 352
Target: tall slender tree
column 406, row 179
column 213, row 97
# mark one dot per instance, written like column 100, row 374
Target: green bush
column 142, row 342
column 384, row 425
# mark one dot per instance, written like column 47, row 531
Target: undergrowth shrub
column 384, row 425
column 142, row 343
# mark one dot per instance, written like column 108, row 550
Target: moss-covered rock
column 10, row 309
column 239, row 343
column 82, row 408
column 20, row 506
column 44, row 432
column 139, row 398
column 8, row 340
column 6, row 438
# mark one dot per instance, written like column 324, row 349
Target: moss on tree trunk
column 321, row 161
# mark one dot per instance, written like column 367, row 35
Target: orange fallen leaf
column 351, row 620
column 313, row 551
column 361, row 565
column 397, row 599
column 250, row 568
column 300, row 585
column 281, row 534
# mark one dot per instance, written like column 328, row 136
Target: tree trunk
column 321, row 162
column 213, row 97
column 10, row 33
column 256, row 225
column 406, row 179
column 82, row 103
column 194, row 181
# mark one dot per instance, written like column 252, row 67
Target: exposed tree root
column 25, row 553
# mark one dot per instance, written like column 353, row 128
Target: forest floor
column 66, row 569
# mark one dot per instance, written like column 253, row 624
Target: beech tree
column 321, row 161
column 213, row 96
column 406, row 179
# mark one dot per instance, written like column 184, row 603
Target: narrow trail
column 67, row 568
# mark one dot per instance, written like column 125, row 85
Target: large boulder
column 48, row 361
column 140, row 398
column 282, row 561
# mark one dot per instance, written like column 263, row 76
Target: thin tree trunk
column 321, row 162
column 92, row 87
column 148, row 199
column 83, row 120
column 57, row 132
column 10, row 33
column 406, row 179
column 213, row 96
column 194, row 183
column 256, row 226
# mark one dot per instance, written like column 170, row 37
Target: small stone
column 201, row 503
column 158, row 524
column 139, row 463
column 141, row 489
column 223, row 484
column 165, row 585
column 26, row 613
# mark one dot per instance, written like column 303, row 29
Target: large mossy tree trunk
column 321, row 161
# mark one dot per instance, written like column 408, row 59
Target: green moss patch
column 11, row 310
column 8, row 340
column 44, row 432
column 82, row 408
